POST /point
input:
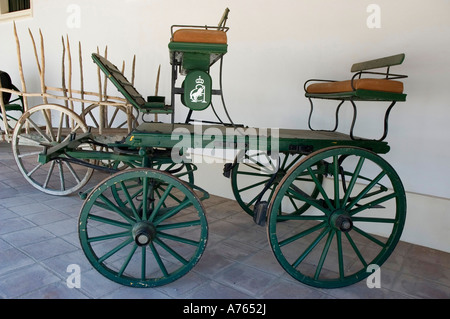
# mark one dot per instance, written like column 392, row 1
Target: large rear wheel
column 355, row 222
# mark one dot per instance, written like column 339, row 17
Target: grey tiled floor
column 39, row 239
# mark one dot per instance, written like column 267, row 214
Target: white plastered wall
column 274, row 47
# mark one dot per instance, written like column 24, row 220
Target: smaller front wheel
column 143, row 228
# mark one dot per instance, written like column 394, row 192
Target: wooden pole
column 103, row 109
column 63, row 78
column 81, row 79
column 40, row 64
column 128, row 106
column 133, row 70
column 100, row 95
column 157, row 88
column 22, row 77
column 43, row 86
column 69, row 57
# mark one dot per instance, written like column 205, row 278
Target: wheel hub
column 342, row 221
column 143, row 233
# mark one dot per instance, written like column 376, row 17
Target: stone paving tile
column 12, row 259
column 25, row 280
column 248, row 280
column 215, row 290
column 53, row 291
column 42, row 251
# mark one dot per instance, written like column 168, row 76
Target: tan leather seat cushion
column 200, row 36
column 382, row 85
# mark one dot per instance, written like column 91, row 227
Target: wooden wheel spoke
column 159, row 260
column 115, row 250
column 72, row 171
column 301, row 235
column 366, row 190
column 109, row 237
column 310, row 248
column 324, row 254
column 127, row 260
column 36, row 127
column 171, row 251
column 178, row 239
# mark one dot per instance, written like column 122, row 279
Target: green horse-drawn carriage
column 331, row 204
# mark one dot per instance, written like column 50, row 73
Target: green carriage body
column 316, row 190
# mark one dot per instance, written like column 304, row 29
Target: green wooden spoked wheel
column 155, row 239
column 354, row 223
column 43, row 127
column 256, row 172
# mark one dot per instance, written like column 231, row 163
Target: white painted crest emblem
column 198, row 95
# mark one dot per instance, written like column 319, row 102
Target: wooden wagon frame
column 66, row 94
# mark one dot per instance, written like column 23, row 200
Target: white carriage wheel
column 39, row 128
